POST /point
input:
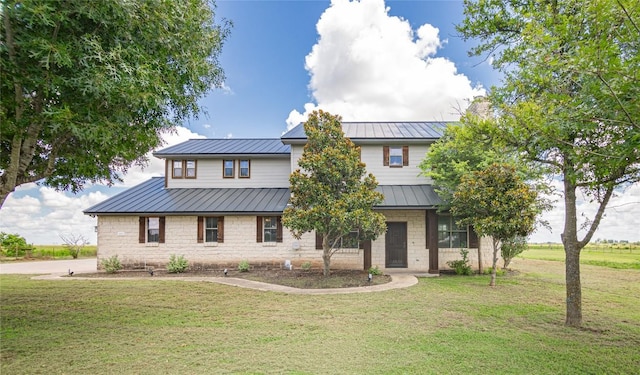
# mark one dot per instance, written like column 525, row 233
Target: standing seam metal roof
column 381, row 130
column 226, row 146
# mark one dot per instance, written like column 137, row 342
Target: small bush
column 499, row 271
column 306, row 266
column 243, row 266
column 177, row 264
column 112, row 264
column 461, row 267
column 375, row 271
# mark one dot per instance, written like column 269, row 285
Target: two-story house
column 221, row 200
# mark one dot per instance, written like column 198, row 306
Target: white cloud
column 43, row 213
column 368, row 65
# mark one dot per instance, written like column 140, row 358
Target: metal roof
column 151, row 197
column 230, row 146
column 408, row 197
column 422, row 130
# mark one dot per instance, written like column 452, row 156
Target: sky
column 366, row 60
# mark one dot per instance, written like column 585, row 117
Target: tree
column 330, row 192
column 511, row 248
column 568, row 99
column 74, row 243
column 12, row 244
column 498, row 204
column 89, row 86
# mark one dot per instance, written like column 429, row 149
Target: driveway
column 50, row 266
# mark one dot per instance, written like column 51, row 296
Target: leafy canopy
column 89, row 86
column 331, row 192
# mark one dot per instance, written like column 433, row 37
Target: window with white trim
column 450, row 234
column 228, row 169
column 245, row 168
column 153, row 229
column 269, row 228
column 211, row 229
column 395, row 156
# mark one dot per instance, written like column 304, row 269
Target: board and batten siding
column 264, row 173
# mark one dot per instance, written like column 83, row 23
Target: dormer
column 239, row 163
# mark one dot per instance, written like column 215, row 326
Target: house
column 221, row 200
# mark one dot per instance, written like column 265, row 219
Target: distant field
column 51, row 252
column 623, row 256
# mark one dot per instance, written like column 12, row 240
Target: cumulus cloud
column 41, row 214
column 368, row 65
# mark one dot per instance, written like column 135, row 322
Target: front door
column 396, row 245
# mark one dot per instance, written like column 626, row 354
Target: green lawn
column 625, row 257
column 442, row 325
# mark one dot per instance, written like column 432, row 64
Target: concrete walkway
column 58, row 270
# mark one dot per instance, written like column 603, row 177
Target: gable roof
column 151, row 197
column 226, row 147
column 379, row 131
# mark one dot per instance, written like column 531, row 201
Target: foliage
column 177, row 264
column 498, row 204
column 74, row 243
column 88, row 87
column 331, row 193
column 461, row 266
column 111, row 264
column 243, row 266
column 375, row 271
column 306, row 266
column 12, row 245
column 512, row 247
column 568, row 99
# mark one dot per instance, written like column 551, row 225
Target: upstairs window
column 450, row 234
column 395, row 156
column 183, row 169
column 228, row 170
column 245, row 168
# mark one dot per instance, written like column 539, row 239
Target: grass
column 42, row 252
column 619, row 256
column 442, row 325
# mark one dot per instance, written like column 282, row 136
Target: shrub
column 177, row 264
column 511, row 248
column 13, row 245
column 375, row 271
column 499, row 271
column 112, row 264
column 243, row 266
column 461, row 267
column 306, row 266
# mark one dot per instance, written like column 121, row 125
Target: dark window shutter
column 200, row 229
column 405, row 155
column 426, row 229
column 318, row 241
column 361, row 244
column 279, row 229
column 385, row 156
column 473, row 238
column 161, row 239
column 142, row 235
column 259, row 229
column 220, row 229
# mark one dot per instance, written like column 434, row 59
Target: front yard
column 442, row 325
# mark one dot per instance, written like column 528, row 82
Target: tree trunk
column 572, row 256
column 494, row 263
column 326, row 255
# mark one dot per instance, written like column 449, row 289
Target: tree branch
column 596, row 220
column 622, row 107
column 628, row 15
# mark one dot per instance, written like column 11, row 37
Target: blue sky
column 368, row 61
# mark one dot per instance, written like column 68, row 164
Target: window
column 228, row 169
column 269, row 229
column 450, row 234
column 151, row 229
column 211, row 229
column 184, row 169
column 395, row 156
column 350, row 241
column 190, row 167
column 245, row 167
column 177, row 169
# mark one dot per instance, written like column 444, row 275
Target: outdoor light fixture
column 150, row 270
column 225, row 272
column 70, row 272
column 370, row 278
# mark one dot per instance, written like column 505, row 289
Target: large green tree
column 331, row 193
column 87, row 87
column 569, row 99
column 498, row 204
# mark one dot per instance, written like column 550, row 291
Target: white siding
column 265, row 173
column 407, row 175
